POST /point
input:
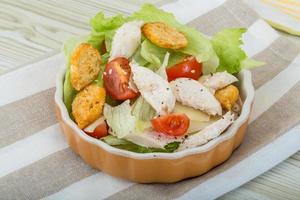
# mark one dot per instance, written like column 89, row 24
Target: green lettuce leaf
column 139, row 58
column 129, row 146
column 119, row 119
column 103, row 29
column 142, row 110
column 152, row 56
column 172, row 146
column 123, row 120
column 149, row 13
column 69, row 91
column 68, row 48
column 100, row 23
column 113, row 140
column 227, row 44
column 162, row 70
column 211, row 65
column 250, row 63
column 152, row 53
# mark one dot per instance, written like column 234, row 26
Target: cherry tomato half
column 188, row 68
column 172, row 124
column 99, row 132
column 116, row 79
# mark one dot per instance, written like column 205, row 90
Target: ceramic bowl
column 156, row 167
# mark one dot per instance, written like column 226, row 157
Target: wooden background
column 32, row 29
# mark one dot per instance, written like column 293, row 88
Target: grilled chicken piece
column 217, row 80
column 192, row 93
column 208, row 133
column 126, row 40
column 155, row 90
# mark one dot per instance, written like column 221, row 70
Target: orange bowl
column 156, row 167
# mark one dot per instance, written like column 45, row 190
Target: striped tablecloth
column 36, row 162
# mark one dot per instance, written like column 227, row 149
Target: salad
column 146, row 83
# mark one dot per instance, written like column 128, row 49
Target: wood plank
column 281, row 182
column 39, row 27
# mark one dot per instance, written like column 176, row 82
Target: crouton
column 88, row 105
column 164, row 36
column 85, row 66
column 227, row 96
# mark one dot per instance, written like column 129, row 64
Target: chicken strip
column 126, row 40
column 208, row 133
column 192, row 93
column 217, row 80
column 155, row 90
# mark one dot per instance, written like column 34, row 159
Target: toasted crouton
column 164, row 36
column 85, row 66
column 227, row 96
column 88, row 104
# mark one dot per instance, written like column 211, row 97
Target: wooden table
column 31, row 30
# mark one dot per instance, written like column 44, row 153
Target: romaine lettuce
column 152, row 56
column 69, row 91
column 129, row 146
column 227, row 44
column 152, row 53
column 162, row 70
column 68, row 48
column 103, row 29
column 250, row 63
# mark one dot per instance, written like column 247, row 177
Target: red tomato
column 116, row 78
column 188, row 68
column 172, row 124
column 99, row 132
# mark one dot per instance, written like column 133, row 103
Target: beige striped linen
column 51, row 174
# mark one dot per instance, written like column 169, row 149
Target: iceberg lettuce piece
column 119, row 119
